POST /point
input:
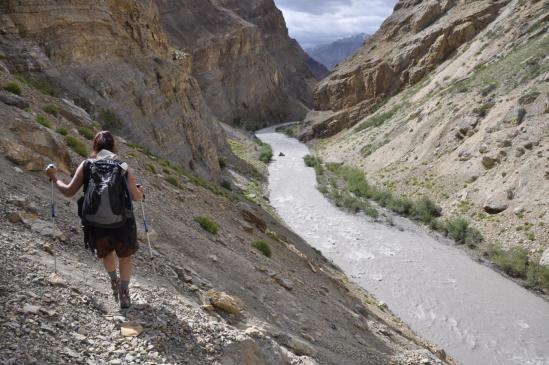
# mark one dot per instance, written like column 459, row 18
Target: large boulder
column 225, row 302
column 494, row 205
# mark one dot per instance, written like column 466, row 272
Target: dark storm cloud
column 314, row 22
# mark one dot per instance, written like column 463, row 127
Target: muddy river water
column 475, row 314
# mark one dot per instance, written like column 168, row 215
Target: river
column 478, row 316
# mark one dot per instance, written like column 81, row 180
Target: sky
column 316, row 22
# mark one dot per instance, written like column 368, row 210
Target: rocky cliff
column 471, row 133
column 250, row 71
column 413, row 41
column 112, row 58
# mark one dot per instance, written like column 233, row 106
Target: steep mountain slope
column 293, row 307
column 473, row 134
column 332, row 54
column 414, row 40
column 250, row 71
column 112, row 58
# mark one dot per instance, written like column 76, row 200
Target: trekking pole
column 52, row 166
column 146, row 227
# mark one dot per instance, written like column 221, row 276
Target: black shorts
column 122, row 240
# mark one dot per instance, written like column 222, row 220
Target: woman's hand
column 51, row 171
column 141, row 189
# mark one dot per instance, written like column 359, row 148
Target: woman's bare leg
column 125, row 268
column 109, row 262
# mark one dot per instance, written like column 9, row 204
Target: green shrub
column 263, row 247
column 86, row 133
column 173, row 180
column 425, row 210
column 401, row 206
column 371, row 212
column 12, row 87
column 207, row 224
column 151, row 168
column 109, row 120
column 43, row 121
column 514, row 261
column 266, row 153
column 37, row 81
column 51, row 109
column 377, row 120
column 76, row 145
column 62, row 131
column 538, row 276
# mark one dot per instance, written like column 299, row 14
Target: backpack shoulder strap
column 87, row 164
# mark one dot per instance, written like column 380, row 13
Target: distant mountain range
column 331, row 54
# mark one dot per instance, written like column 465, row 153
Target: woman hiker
column 108, row 241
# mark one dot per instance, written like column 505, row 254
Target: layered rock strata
column 112, row 58
column 413, row 41
column 250, row 71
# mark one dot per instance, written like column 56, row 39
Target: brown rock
column 489, row 161
column 130, row 329
column 251, row 217
column 225, row 302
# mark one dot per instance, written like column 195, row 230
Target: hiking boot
column 115, row 286
column 124, row 297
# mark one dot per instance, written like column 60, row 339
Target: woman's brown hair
column 104, row 140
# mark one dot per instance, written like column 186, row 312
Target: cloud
column 314, row 22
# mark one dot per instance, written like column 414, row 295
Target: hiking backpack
column 106, row 202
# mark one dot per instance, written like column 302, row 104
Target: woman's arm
column 71, row 188
column 136, row 192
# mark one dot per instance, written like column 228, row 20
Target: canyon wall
column 250, row 71
column 112, row 58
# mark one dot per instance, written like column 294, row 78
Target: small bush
column 377, row 120
column 109, row 120
column 263, row 247
column 13, row 88
column 538, row 276
column 62, row 131
column 371, row 212
column 76, row 145
column 37, row 81
column 51, row 109
column 43, row 121
column 266, row 153
column 173, row 180
column 425, row 210
column 514, row 261
column 151, row 168
column 86, row 133
column 207, row 224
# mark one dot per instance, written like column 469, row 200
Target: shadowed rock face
column 113, row 56
column 413, row 41
column 249, row 69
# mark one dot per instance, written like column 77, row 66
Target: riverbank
column 433, row 287
column 348, row 189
